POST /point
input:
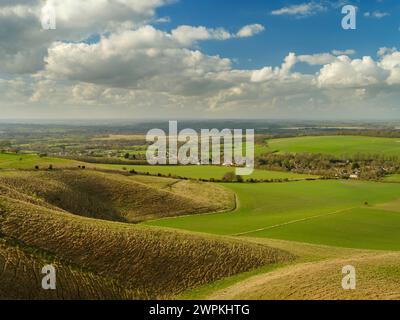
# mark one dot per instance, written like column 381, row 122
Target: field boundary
column 293, row 222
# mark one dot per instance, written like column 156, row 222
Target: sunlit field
column 339, row 213
column 337, row 145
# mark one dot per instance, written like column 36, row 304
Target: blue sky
column 321, row 32
column 200, row 59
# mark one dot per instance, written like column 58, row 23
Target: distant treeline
column 104, row 160
column 364, row 132
column 361, row 166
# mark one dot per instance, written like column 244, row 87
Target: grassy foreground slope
column 337, row 145
column 20, row 277
column 317, row 275
column 351, row 214
column 137, row 261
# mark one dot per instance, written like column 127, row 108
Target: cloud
column 139, row 69
column 391, row 63
column 376, row 14
column 357, row 73
column 23, row 43
column 187, row 82
column 250, row 30
column 348, row 52
column 316, row 59
column 163, row 20
column 187, row 35
column 144, row 58
column 301, row 10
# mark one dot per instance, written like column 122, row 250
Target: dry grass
column 20, row 278
column 116, row 197
column 138, row 262
column 378, row 278
column 316, row 274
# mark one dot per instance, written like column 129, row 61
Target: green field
column 340, row 213
column 207, row 172
column 337, row 145
column 29, row 161
column 393, row 178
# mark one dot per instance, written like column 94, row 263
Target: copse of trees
column 232, row 177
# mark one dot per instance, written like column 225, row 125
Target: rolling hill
column 116, row 197
column 317, row 275
column 108, row 259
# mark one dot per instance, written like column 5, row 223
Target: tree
column 5, row 144
column 229, row 177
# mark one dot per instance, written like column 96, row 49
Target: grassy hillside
column 137, row 261
column 317, row 274
column 340, row 213
column 337, row 145
column 119, row 198
column 378, row 278
column 20, row 277
column 29, row 161
column 208, row 172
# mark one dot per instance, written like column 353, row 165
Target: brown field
column 106, row 259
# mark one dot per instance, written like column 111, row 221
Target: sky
column 173, row 59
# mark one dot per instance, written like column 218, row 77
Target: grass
column 11, row 161
column 137, row 261
column 377, row 275
column 337, row 145
column 202, row 292
column 323, row 212
column 208, row 172
column 20, row 277
column 356, row 228
column 392, row 178
column 119, row 198
column 315, row 274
